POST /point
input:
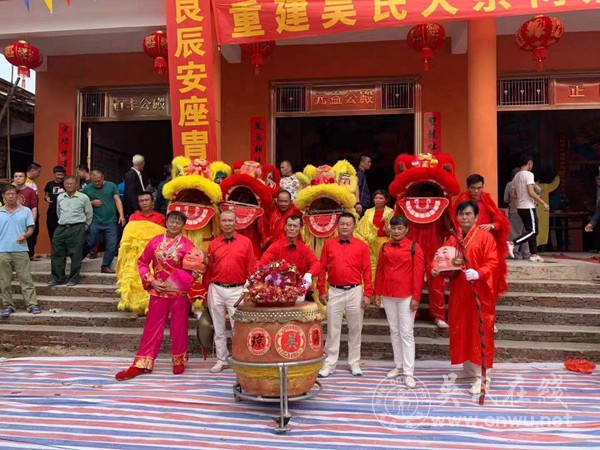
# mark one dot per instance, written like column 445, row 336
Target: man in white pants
column 230, row 262
column 399, row 282
column 346, row 265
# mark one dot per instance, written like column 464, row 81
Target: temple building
column 329, row 84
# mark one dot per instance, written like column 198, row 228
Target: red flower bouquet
column 275, row 284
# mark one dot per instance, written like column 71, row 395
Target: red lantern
column 425, row 38
column 537, row 34
column 155, row 46
column 257, row 52
column 25, row 56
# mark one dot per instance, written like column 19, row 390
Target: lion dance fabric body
column 249, row 192
column 423, row 187
column 326, row 193
column 194, row 190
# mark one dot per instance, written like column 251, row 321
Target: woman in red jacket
column 399, row 283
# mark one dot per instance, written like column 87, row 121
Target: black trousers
column 531, row 225
column 51, row 224
column 32, row 240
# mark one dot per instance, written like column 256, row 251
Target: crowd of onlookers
column 83, row 208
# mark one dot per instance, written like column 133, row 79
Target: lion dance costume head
column 326, row 193
column 249, row 193
column 423, row 187
column 194, row 190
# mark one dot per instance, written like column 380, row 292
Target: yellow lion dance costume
column 194, row 190
column 326, row 193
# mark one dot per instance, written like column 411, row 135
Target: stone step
column 506, row 331
column 25, row 339
column 80, row 290
column 72, row 304
column 379, row 348
column 85, row 278
column 555, row 300
column 521, row 314
column 554, row 285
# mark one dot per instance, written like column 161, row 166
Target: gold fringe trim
column 136, row 235
column 270, row 373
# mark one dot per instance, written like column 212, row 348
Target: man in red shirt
column 479, row 276
column 399, row 281
column 490, row 219
column 146, row 212
column 294, row 251
column 346, row 265
column 231, row 260
column 273, row 225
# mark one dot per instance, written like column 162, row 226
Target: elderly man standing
column 231, row 260
column 347, row 263
column 104, row 197
column 75, row 215
column 135, row 184
column 16, row 225
column 288, row 181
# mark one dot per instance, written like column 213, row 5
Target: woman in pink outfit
column 167, row 284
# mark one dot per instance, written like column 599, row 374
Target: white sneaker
column 511, row 249
column 325, row 372
column 410, row 382
column 441, row 324
column 536, row 258
column 219, row 367
column 394, row 373
column 476, row 387
column 464, row 375
column 356, row 371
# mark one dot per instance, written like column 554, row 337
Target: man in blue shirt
column 364, row 195
column 16, row 225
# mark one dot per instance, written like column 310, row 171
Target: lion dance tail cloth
column 423, row 187
column 136, row 235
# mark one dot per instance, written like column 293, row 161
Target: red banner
column 65, row 146
column 261, row 20
column 258, row 139
column 432, row 132
column 191, row 78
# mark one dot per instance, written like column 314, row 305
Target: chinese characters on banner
column 240, row 21
column 65, row 146
column 191, row 78
column 258, row 139
column 432, row 132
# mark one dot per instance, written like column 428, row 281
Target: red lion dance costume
column 423, row 187
column 249, row 193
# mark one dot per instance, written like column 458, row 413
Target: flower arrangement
column 275, row 284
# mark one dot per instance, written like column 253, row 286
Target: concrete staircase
column 552, row 312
